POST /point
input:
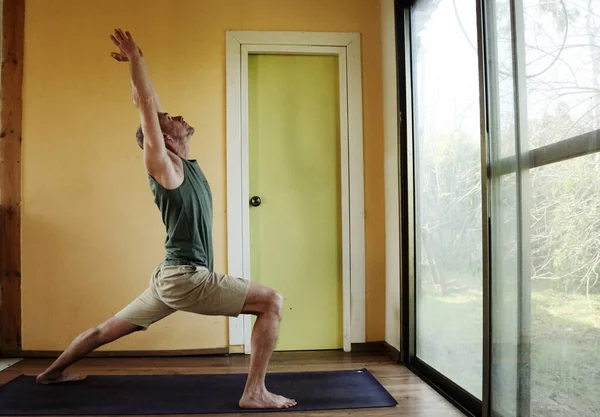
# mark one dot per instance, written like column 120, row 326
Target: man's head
column 176, row 132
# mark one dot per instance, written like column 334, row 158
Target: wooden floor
column 415, row 397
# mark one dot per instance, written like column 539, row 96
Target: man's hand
column 143, row 89
column 127, row 46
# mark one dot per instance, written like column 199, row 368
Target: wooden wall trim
column 391, row 352
column 372, row 347
column 367, row 347
column 123, row 353
column 13, row 19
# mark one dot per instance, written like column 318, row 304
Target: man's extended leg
column 109, row 331
column 140, row 314
column 267, row 305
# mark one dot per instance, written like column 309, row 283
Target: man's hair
column 139, row 134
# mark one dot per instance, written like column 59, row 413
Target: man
column 185, row 279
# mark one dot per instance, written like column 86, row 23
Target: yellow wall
column 91, row 233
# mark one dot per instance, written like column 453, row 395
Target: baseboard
column 391, row 351
column 121, row 353
column 367, row 347
column 379, row 347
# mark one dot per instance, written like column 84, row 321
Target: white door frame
column 347, row 47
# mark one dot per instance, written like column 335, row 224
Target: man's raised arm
column 145, row 98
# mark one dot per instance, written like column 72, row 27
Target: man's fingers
column 124, row 41
column 119, row 35
column 115, row 41
column 119, row 57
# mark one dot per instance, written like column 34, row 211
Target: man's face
column 175, row 126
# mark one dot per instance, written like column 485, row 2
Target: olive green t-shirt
column 187, row 214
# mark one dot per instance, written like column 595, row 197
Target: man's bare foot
column 265, row 400
column 45, row 379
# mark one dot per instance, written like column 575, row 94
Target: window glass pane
column 562, row 55
column 565, row 288
column 448, row 190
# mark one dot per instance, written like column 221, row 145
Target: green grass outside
column 565, row 349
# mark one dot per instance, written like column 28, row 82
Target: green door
column 294, row 159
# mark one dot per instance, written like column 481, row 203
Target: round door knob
column 255, row 201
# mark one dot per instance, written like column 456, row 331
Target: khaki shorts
column 186, row 288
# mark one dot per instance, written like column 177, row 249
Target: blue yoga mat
column 189, row 394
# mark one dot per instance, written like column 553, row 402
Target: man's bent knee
column 263, row 300
column 275, row 304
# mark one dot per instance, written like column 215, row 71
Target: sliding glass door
column 501, row 151
column 544, row 67
column 447, row 193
